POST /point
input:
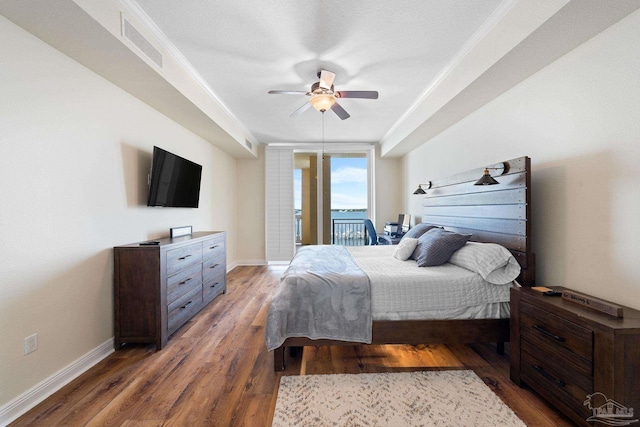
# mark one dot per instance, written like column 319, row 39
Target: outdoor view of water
column 348, row 214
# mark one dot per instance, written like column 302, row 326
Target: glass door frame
column 338, row 148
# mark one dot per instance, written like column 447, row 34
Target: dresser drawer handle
column 215, row 284
column 185, row 281
column 213, row 247
column 187, row 304
column 548, row 376
column 214, row 265
column 544, row 331
column 185, row 257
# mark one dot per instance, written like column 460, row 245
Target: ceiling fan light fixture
column 322, row 101
column 323, row 96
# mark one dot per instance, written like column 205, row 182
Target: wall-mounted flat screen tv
column 174, row 181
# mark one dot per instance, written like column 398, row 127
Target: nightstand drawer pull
column 187, row 304
column 544, row 331
column 548, row 376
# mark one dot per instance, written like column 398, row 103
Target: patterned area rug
column 431, row 398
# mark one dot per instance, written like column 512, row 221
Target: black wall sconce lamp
column 420, row 190
column 487, row 179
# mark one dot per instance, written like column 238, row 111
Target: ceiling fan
column 323, row 97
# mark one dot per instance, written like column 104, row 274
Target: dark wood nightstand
column 567, row 352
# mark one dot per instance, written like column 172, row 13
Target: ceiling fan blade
column 301, row 110
column 288, row 92
column 341, row 112
column 326, row 79
column 363, row 94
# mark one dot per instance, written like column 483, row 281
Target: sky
column 348, row 184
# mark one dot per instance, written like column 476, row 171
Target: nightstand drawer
column 571, row 370
column 181, row 258
column 543, row 326
column 556, row 383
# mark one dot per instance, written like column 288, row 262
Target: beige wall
column 388, row 191
column 250, row 210
column 578, row 120
column 75, row 152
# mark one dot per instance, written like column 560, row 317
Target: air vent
column 248, row 144
column 130, row 33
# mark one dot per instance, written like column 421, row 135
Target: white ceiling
column 433, row 62
column 243, row 49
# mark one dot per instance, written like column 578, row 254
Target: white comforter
column 400, row 290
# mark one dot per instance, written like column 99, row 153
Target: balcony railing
column 298, row 228
column 344, row 231
column 348, row 232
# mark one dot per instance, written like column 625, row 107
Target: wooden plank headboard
column 490, row 213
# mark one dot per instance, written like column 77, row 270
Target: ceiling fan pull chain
column 323, row 137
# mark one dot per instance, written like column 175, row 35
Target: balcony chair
column 372, row 236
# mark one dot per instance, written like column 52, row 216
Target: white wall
column 75, row 151
column 579, row 121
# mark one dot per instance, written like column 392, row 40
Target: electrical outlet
column 30, row 344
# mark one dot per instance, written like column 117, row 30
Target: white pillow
column 405, row 248
column 492, row 261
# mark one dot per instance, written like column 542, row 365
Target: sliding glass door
column 331, row 197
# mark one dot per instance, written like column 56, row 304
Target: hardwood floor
column 216, row 371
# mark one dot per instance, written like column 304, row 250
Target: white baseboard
column 250, row 262
column 27, row 400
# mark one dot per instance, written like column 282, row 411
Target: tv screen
column 174, row 181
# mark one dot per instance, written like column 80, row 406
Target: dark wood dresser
column 158, row 288
column 566, row 352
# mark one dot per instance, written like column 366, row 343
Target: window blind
column 280, row 237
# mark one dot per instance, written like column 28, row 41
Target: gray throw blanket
column 323, row 295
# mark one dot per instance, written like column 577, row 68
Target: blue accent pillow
column 416, row 232
column 436, row 246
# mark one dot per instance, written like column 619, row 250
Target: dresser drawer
column 183, row 282
column 215, row 287
column 183, row 309
column 557, row 383
column 539, row 325
column 213, row 247
column 181, row 258
column 213, row 267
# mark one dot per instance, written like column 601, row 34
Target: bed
column 495, row 214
